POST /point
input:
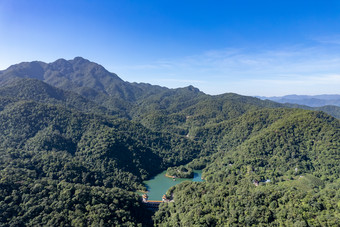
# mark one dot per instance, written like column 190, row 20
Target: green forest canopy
column 74, row 149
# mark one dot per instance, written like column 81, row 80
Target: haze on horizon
column 266, row 48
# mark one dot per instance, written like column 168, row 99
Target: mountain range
column 77, row 142
column 95, row 83
column 307, row 100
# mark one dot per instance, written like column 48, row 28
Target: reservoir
column 159, row 185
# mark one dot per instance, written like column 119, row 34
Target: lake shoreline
column 158, row 185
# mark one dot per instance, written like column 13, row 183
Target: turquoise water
column 159, row 185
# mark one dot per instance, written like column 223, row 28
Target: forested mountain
column 300, row 202
column 331, row 110
column 273, row 167
column 33, row 89
column 76, row 142
column 327, row 103
column 50, row 146
column 134, row 100
column 92, row 139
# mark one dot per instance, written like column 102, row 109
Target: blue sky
column 267, row 48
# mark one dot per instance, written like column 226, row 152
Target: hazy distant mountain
column 312, row 101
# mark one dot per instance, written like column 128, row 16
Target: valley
column 77, row 142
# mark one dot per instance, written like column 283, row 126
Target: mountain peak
column 79, row 60
column 71, row 75
column 76, row 61
column 192, row 88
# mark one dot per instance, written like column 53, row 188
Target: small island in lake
column 180, row 172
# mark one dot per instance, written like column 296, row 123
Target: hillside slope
column 75, row 75
column 76, row 141
column 36, row 90
column 273, row 167
column 93, row 139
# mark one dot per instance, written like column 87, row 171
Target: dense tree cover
column 180, row 171
column 93, row 141
column 190, row 110
column 74, row 159
column 231, row 133
column 331, row 110
column 217, row 204
column 293, row 157
column 52, row 144
column 46, row 202
column 33, row 89
column 301, row 142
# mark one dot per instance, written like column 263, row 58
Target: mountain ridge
column 94, row 82
column 76, row 142
column 71, row 75
column 308, row 100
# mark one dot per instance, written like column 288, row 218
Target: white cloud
column 294, row 69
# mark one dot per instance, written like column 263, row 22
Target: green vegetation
column 331, row 110
column 283, row 170
column 76, row 142
column 33, row 89
column 216, row 204
column 33, row 202
column 300, row 142
column 180, row 171
column 49, row 145
column 96, row 143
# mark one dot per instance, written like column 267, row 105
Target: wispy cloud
column 184, row 81
column 330, row 39
column 302, row 80
column 293, row 69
